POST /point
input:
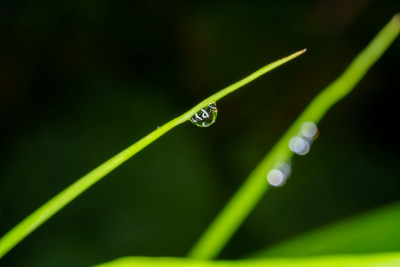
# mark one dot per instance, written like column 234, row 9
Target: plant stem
column 47, row 210
column 250, row 193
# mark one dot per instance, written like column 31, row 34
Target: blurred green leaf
column 255, row 186
column 370, row 232
column 382, row 259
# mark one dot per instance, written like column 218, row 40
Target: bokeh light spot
column 299, row 145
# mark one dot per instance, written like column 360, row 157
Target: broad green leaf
column 375, row 231
column 376, row 260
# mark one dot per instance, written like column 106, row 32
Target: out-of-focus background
column 82, row 80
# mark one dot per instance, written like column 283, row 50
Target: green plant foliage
column 235, row 212
column 365, row 233
column 33, row 221
column 225, row 225
column 383, row 259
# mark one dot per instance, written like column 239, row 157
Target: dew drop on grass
column 205, row 116
column 309, row 130
column 275, row 177
column 299, row 145
column 278, row 175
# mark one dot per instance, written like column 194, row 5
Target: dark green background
column 82, row 80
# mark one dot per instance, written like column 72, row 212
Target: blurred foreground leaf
column 375, row 231
column 381, row 259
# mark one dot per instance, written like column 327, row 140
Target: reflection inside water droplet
column 205, row 116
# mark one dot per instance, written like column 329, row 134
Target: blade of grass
column 255, row 186
column 374, row 231
column 365, row 260
column 47, row 210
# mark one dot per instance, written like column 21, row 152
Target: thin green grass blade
column 255, row 186
column 38, row 217
column 376, row 260
column 372, row 232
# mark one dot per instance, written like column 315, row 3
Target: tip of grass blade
column 294, row 55
column 298, row 53
column 396, row 20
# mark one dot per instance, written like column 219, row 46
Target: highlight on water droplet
column 299, row 145
column 278, row 176
column 205, row 116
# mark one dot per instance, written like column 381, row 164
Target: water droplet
column 299, row 145
column 309, row 130
column 278, row 176
column 285, row 168
column 205, row 116
column 275, row 177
